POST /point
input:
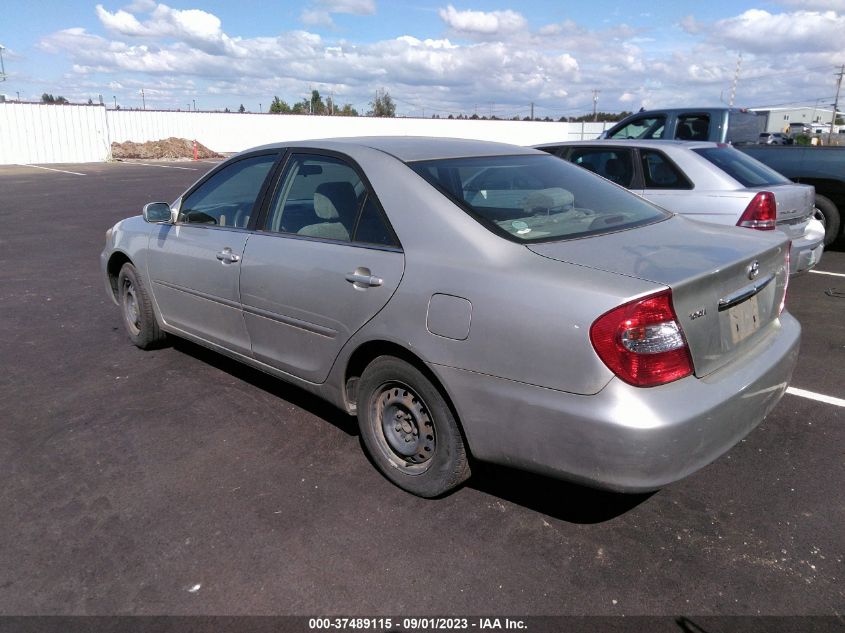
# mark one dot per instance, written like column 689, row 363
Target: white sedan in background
column 712, row 182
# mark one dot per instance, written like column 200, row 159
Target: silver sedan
column 711, row 182
column 470, row 301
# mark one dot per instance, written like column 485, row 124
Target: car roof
column 655, row 144
column 410, row 148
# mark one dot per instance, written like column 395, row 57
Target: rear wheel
column 827, row 212
column 409, row 430
column 137, row 309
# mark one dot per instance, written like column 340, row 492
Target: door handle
column 363, row 278
column 228, row 257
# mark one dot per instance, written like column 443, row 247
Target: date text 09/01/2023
column 414, row 624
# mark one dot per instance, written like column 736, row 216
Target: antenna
column 736, row 79
column 836, row 102
column 2, row 68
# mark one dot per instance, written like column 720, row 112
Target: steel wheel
column 136, row 308
column 131, row 312
column 407, row 431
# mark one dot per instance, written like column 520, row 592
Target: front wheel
column 409, row 430
column 827, row 212
column 137, row 309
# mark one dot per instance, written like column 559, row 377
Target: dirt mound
column 168, row 148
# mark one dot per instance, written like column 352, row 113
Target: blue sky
column 433, row 57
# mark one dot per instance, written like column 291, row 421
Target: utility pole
column 532, row 110
column 836, row 102
column 736, row 80
column 115, row 101
column 143, row 99
column 595, row 103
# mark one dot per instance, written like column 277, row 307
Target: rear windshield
column 741, row 167
column 537, row 198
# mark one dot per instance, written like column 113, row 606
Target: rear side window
column 614, row 164
column 661, row 173
column 741, row 167
column 693, row 127
column 324, row 197
column 536, row 198
column 651, row 126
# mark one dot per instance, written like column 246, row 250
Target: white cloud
column 354, row 7
column 140, row 6
column 759, row 31
column 482, row 22
column 814, row 5
column 198, row 28
column 691, row 25
column 317, row 17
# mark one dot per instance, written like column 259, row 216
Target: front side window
column 228, row 197
column 660, row 173
column 536, row 198
column 614, row 164
column 651, row 126
column 324, row 197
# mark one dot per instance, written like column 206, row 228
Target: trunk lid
column 795, row 205
column 724, row 301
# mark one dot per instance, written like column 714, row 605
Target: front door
column 194, row 265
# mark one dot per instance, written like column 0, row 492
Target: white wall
column 35, row 133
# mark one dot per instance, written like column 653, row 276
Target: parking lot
column 180, row 482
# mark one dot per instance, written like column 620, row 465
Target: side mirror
column 157, row 212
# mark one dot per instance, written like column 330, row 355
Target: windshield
column 537, row 198
column 741, row 167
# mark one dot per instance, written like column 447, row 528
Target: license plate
column 744, row 319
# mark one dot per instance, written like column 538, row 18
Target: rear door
column 323, row 264
column 194, row 264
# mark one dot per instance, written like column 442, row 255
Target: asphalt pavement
column 180, row 482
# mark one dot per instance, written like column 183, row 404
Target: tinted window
column 536, row 198
column 651, row 126
column 323, row 196
column 741, row 167
column 693, row 127
column 319, row 197
column 614, row 164
column 371, row 227
column 228, row 197
column 660, row 173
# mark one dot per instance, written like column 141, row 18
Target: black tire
column 409, row 430
column 136, row 308
column 829, row 215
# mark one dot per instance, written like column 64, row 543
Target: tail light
column 761, row 213
column 642, row 341
column 786, row 278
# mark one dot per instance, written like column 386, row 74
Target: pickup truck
column 822, row 167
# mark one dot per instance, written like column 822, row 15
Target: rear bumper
column 807, row 250
column 625, row 438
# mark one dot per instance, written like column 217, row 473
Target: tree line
column 381, row 106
